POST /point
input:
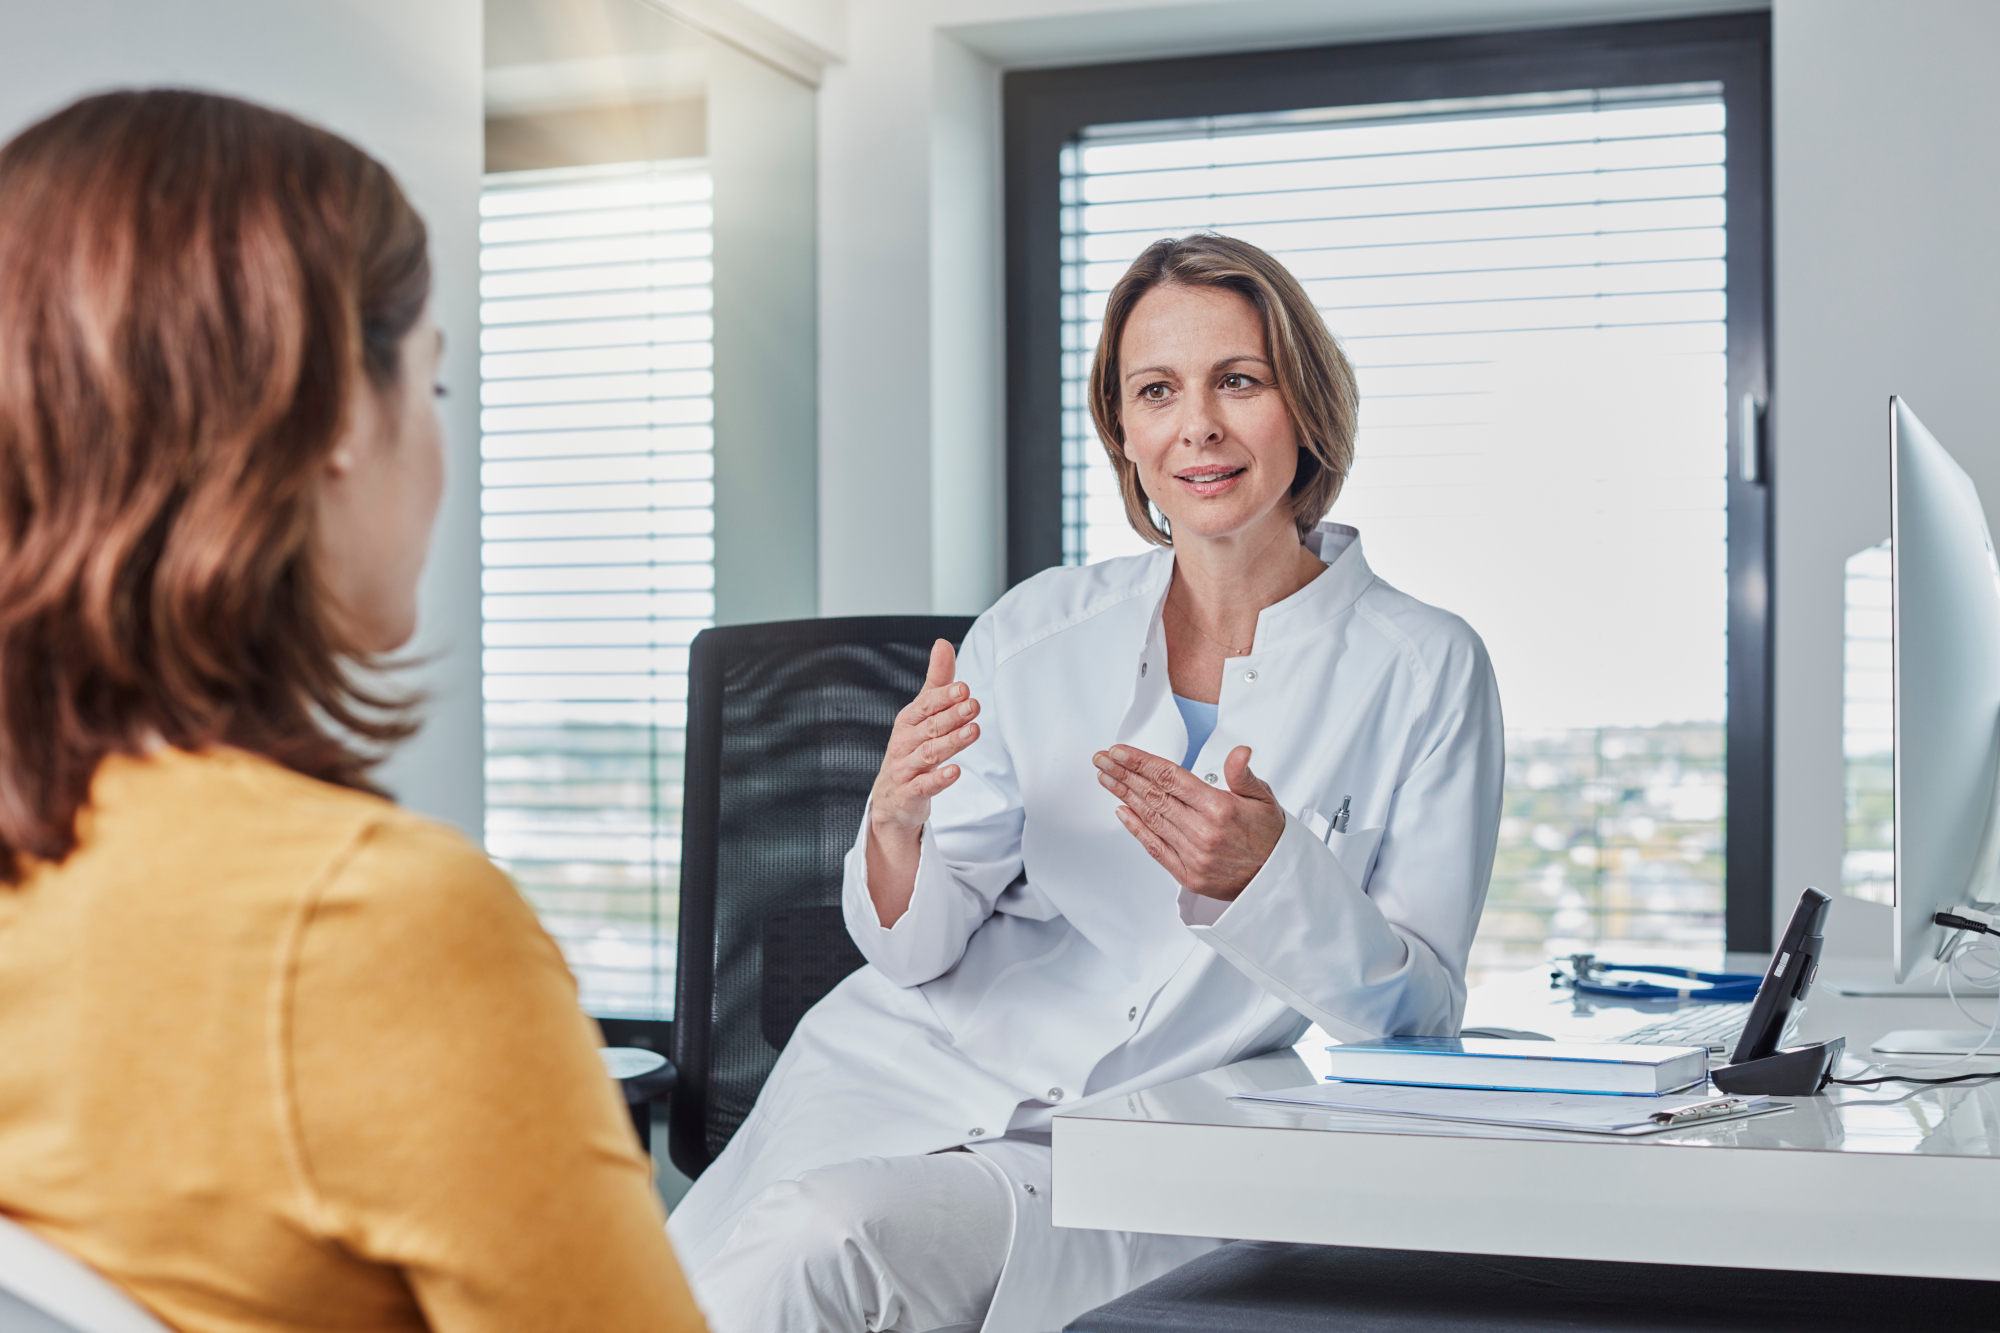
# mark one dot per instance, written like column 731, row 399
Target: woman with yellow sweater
column 273, row 1053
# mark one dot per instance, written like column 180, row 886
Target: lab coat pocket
column 1355, row 850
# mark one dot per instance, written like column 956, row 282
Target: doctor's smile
column 1108, row 845
column 1208, row 481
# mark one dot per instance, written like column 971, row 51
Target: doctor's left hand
column 1213, row 841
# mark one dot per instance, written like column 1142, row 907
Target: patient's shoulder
column 237, row 826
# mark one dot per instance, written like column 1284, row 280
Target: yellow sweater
column 277, row 1055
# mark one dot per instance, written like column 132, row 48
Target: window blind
column 1532, row 290
column 597, row 549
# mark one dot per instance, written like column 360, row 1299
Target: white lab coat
column 1047, row 962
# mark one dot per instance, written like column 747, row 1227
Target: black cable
column 1951, row 921
column 1904, row 1078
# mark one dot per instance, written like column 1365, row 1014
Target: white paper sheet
column 1527, row 1110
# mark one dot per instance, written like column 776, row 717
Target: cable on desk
column 1904, row 1078
column 1963, row 949
column 1953, row 959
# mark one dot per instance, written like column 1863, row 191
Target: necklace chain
column 1188, row 620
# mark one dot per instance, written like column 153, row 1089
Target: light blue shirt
column 1200, row 719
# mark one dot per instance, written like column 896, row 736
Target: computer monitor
column 1945, row 602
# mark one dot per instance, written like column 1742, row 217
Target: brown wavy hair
column 190, row 287
column 1314, row 377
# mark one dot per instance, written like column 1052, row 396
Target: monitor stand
column 1937, row 1041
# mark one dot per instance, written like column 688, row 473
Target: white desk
column 1858, row 1181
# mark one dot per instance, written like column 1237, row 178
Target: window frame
column 1044, row 110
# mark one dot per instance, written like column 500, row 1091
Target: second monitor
column 1945, row 590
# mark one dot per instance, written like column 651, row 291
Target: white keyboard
column 1716, row 1026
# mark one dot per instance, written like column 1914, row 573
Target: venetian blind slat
column 597, row 547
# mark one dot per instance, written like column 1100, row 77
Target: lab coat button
column 975, row 1133
column 1209, row 778
column 1249, row 675
column 1132, row 1014
column 1055, row 1094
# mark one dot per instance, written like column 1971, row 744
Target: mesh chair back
column 786, row 727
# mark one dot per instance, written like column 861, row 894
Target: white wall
column 874, row 317
column 760, row 149
column 402, row 81
column 1886, row 120
column 967, row 447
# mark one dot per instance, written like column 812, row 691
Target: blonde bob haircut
column 1314, row 378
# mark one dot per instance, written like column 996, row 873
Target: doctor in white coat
column 1161, row 813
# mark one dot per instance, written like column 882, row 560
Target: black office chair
column 786, row 727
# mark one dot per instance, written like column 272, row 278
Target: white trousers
column 874, row 1245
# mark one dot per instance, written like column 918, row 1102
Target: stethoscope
column 1587, row 976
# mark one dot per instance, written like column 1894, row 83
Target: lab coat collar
column 1151, row 722
column 1347, row 576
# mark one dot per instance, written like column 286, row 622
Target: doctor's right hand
column 936, row 725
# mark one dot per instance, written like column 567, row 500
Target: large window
column 597, row 448
column 1552, row 289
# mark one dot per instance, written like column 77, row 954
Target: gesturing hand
column 1212, row 841
column 936, row 725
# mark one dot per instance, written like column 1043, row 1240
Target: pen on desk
column 1700, row 1111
